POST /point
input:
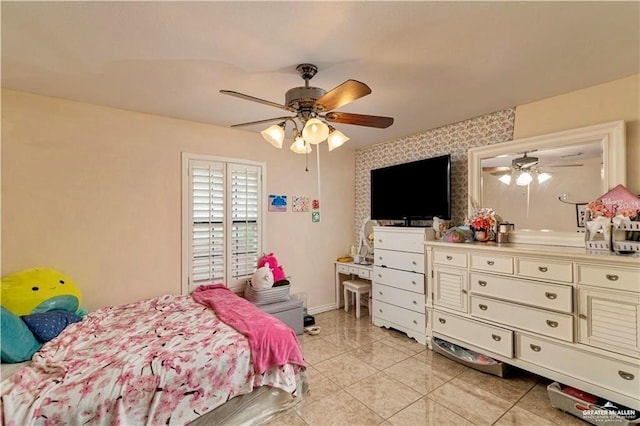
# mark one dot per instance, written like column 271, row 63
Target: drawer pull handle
column 582, row 316
column 483, row 307
column 535, row 348
column 380, row 293
column 543, row 268
column 552, row 324
column 415, row 303
column 482, row 283
column 442, row 320
column 414, row 263
column 551, row 296
column 379, row 275
column 625, row 375
column 413, row 282
column 449, row 257
column 380, row 310
column 612, row 277
column 496, row 337
column 379, row 241
column 490, row 262
column 415, row 322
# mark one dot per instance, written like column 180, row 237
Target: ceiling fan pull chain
column 318, row 166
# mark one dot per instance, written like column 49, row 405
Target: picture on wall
column 277, row 203
column 581, row 210
column 300, row 203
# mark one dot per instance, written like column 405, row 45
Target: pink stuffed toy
column 276, row 269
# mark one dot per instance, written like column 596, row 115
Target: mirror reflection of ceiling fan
column 523, row 170
column 313, row 108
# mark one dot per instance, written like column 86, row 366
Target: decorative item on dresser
column 398, row 280
column 565, row 313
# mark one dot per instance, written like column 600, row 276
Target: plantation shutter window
column 223, row 231
column 245, row 204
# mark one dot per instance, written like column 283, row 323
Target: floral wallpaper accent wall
column 454, row 139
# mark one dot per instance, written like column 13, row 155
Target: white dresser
column 560, row 312
column 398, row 279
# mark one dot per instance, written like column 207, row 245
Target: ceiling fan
column 523, row 169
column 314, row 107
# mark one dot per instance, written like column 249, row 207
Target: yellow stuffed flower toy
column 39, row 290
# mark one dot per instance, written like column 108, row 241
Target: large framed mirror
column 542, row 183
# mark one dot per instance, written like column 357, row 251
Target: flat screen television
column 419, row 190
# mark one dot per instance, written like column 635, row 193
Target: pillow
column 47, row 325
column 17, row 343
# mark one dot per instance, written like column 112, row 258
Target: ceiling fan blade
column 562, row 165
column 341, row 95
column 497, row 169
column 254, row 99
column 268, row 120
column 359, row 119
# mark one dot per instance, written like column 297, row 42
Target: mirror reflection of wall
column 536, row 206
column 365, row 252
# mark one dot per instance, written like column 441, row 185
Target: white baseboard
column 322, row 308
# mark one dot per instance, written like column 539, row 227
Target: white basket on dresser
column 625, row 230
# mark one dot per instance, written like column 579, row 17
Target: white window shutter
column 207, row 236
column 223, row 224
column 244, row 212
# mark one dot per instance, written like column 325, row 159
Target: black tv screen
column 420, row 190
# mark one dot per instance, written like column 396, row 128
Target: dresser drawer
column 491, row 263
column 342, row 269
column 409, row 319
column 556, row 297
column 545, row 269
column 548, row 323
column 495, row 339
column 402, row 241
column 402, row 298
column 450, row 258
column 412, row 262
column 361, row 272
column 609, row 373
column 609, row 277
column 410, row 281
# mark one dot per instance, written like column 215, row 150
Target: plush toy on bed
column 37, row 304
column 279, row 277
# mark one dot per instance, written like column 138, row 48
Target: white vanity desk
column 564, row 313
column 346, row 270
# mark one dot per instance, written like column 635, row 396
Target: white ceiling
column 428, row 63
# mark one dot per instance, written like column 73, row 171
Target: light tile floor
column 360, row 374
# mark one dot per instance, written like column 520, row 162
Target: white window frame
column 186, row 286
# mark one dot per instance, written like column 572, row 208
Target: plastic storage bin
column 591, row 409
column 470, row 358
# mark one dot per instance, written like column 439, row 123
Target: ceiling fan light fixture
column 336, row 138
column 543, row 177
column 506, row 179
column 524, row 179
column 315, row 131
column 299, row 146
column 274, row 134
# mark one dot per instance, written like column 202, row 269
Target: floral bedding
column 165, row 360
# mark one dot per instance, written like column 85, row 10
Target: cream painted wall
column 95, row 192
column 615, row 100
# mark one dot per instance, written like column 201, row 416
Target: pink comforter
column 272, row 342
column 161, row 361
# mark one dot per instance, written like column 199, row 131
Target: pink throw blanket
column 272, row 342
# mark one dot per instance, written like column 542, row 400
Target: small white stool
column 357, row 289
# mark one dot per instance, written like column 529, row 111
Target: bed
column 166, row 360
